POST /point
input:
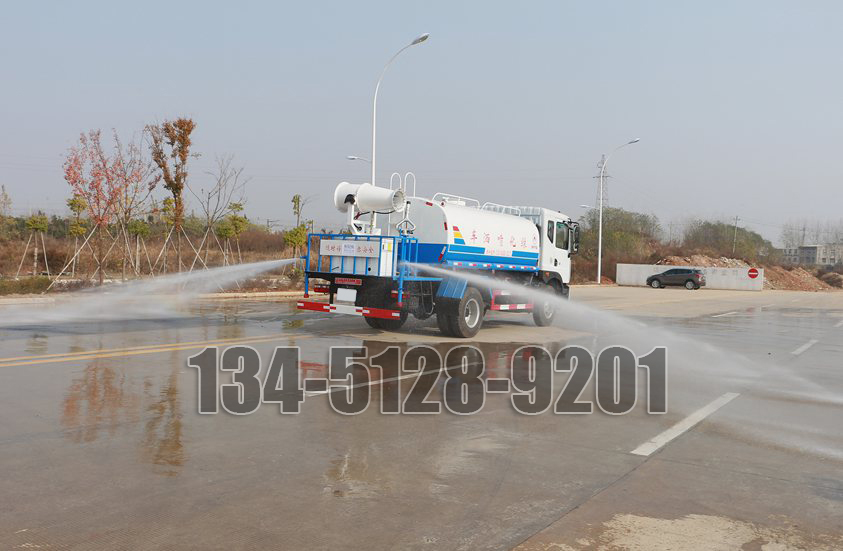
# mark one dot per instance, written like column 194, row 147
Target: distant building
column 828, row 254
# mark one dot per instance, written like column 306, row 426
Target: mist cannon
column 367, row 198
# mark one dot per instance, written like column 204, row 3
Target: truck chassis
column 386, row 300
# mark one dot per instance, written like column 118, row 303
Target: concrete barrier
column 715, row 278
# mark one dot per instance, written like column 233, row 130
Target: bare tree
column 227, row 188
column 299, row 203
column 138, row 176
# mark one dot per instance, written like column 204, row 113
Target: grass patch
column 24, row 286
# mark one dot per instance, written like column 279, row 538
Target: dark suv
column 690, row 279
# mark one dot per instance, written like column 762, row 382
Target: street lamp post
column 600, row 209
column 356, row 158
column 418, row 40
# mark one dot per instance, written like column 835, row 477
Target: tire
column 544, row 311
column 443, row 320
column 690, row 285
column 655, row 284
column 374, row 297
column 422, row 316
column 374, row 323
column 393, row 324
column 467, row 318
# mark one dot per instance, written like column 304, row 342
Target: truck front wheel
column 545, row 307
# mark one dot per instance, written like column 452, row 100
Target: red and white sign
column 752, row 273
column 348, row 281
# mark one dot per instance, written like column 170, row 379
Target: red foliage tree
column 98, row 179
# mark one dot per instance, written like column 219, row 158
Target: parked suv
column 690, row 279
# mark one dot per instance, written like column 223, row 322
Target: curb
column 290, row 295
column 26, row 300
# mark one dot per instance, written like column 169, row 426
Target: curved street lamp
column 418, row 40
column 356, row 158
column 600, row 208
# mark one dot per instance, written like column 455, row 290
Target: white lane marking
column 684, row 425
column 805, row 347
column 767, row 305
column 725, row 314
column 839, row 324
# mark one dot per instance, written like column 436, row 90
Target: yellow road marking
column 88, row 352
column 91, row 355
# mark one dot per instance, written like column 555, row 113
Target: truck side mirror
column 575, row 239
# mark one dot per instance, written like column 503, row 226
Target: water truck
column 375, row 268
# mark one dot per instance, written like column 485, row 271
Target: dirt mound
column 792, row 279
column 703, row 261
column 833, row 279
column 775, row 277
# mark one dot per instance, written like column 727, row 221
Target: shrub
column 27, row 285
column 834, row 279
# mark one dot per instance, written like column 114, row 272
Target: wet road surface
column 102, row 447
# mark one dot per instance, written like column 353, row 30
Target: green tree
column 624, row 232
column 5, row 212
column 5, row 203
column 37, row 223
column 167, row 212
column 239, row 224
column 296, row 238
column 224, row 229
column 77, row 206
column 721, row 239
column 138, row 228
column 297, row 206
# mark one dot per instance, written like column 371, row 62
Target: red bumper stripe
column 348, row 309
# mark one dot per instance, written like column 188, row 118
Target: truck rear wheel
column 467, row 317
column 443, row 320
column 374, row 298
column 393, row 324
column 374, row 323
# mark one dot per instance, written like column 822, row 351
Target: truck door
column 555, row 237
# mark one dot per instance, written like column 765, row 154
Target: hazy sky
column 739, row 105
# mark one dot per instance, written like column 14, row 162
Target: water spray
column 159, row 297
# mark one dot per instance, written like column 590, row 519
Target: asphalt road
column 102, row 447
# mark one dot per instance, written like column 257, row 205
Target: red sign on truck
column 752, row 273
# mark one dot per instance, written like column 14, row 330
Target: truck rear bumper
column 350, row 309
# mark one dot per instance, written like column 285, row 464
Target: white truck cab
column 559, row 240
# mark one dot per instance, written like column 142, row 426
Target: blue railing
column 404, row 250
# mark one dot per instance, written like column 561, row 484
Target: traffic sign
column 752, row 273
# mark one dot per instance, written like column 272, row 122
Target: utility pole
column 604, row 160
column 602, row 176
column 735, row 240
